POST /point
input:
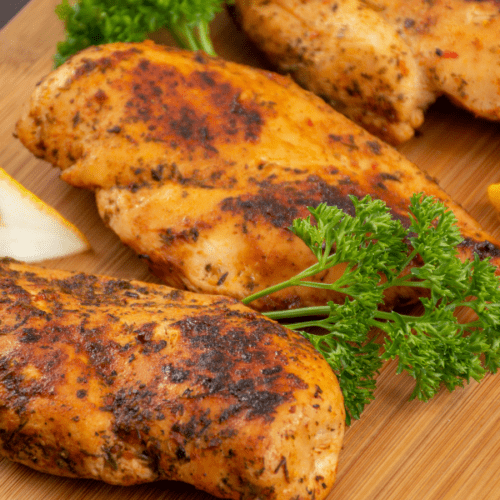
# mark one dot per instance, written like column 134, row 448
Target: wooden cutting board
column 445, row 449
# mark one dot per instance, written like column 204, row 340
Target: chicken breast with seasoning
column 129, row 382
column 383, row 62
column 201, row 165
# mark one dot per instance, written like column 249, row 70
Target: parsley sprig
column 379, row 253
column 94, row 22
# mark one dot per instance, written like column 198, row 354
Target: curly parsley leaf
column 378, row 253
column 94, row 22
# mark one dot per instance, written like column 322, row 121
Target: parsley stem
column 295, row 281
column 205, row 41
column 299, row 313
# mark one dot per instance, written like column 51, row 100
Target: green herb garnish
column 434, row 347
column 94, row 22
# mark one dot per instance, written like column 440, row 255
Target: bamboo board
column 445, row 449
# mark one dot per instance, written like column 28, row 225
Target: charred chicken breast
column 129, row 382
column 383, row 62
column 201, row 165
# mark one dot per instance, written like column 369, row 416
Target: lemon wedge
column 31, row 230
column 494, row 195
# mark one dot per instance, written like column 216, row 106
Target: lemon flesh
column 31, row 230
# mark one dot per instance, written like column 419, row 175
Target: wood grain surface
column 448, row 448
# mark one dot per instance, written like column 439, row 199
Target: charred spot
column 186, row 123
column 133, row 187
column 318, row 392
column 266, row 205
column 222, row 279
column 145, row 332
column 381, row 105
column 86, row 66
column 199, row 327
column 157, row 173
column 81, row 393
column 103, row 64
column 264, row 403
column 272, row 371
column 494, row 2
column 41, row 145
column 385, row 176
column 279, row 204
column 346, row 140
column 169, row 236
column 30, row 336
column 76, row 119
column 483, row 249
column 144, row 64
column 250, row 117
column 229, row 412
column 81, row 285
column 354, row 90
column 194, row 427
column 164, row 102
column 214, row 361
column 112, row 287
column 115, row 129
column 282, row 464
column 100, row 96
column 200, row 58
column 175, row 374
column 409, row 23
column 97, row 353
column 181, row 455
column 375, row 147
column 132, row 408
column 206, row 78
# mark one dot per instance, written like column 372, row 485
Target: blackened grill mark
column 104, row 63
column 483, row 249
column 30, row 336
column 218, row 355
column 283, row 202
column 189, row 124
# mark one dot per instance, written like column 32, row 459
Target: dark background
column 9, row 8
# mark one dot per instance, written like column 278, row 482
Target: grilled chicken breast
column 129, row 382
column 383, row 62
column 201, row 165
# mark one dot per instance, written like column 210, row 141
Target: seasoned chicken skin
column 201, row 165
column 383, row 62
column 129, row 382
